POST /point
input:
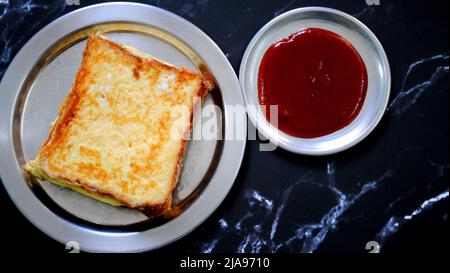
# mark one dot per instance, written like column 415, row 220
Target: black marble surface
column 391, row 188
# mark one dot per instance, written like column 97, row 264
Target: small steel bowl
column 363, row 40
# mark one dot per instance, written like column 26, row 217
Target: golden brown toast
column 121, row 130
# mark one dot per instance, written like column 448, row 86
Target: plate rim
column 253, row 117
column 92, row 240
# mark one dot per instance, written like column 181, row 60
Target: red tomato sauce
column 317, row 79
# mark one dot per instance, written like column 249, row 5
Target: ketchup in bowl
column 317, row 79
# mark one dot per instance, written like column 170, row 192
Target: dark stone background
column 327, row 204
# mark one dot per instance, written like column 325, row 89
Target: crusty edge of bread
column 205, row 88
column 66, row 111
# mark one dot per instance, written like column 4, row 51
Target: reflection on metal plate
column 53, row 77
column 39, row 78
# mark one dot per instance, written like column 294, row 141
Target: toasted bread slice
column 120, row 135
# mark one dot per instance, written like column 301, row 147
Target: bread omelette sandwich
column 112, row 138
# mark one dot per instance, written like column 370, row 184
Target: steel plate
column 39, row 78
column 364, row 41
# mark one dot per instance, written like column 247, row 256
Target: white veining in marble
column 284, row 8
column 395, row 223
column 399, row 199
column 208, row 248
column 254, row 195
column 258, row 228
column 367, row 11
column 13, row 14
column 305, row 238
column 439, row 172
column 312, row 235
column 223, row 224
column 407, row 97
column 192, row 9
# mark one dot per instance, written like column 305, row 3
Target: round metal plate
column 41, row 75
column 364, row 41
